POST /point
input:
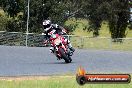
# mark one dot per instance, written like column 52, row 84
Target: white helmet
column 47, row 25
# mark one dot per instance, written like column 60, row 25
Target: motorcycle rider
column 50, row 29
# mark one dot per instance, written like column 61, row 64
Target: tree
column 3, row 22
column 12, row 7
column 119, row 18
column 116, row 12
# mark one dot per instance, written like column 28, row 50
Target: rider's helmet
column 47, row 25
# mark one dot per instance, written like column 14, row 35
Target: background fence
column 36, row 40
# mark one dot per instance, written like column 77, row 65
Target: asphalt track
column 20, row 61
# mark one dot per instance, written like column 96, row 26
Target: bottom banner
column 83, row 78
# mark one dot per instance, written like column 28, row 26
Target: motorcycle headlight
column 57, row 42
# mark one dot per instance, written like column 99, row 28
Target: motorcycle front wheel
column 64, row 55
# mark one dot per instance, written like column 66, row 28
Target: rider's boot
column 70, row 47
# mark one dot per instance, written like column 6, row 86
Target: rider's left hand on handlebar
column 42, row 34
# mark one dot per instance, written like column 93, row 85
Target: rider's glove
column 42, row 34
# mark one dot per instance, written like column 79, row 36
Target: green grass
column 55, row 82
column 82, row 23
column 100, row 43
column 97, row 43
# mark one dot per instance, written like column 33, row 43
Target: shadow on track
column 59, row 63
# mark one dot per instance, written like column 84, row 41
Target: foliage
column 130, row 26
column 12, row 7
column 119, row 18
column 3, row 22
column 115, row 12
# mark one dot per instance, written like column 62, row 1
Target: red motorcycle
column 61, row 49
